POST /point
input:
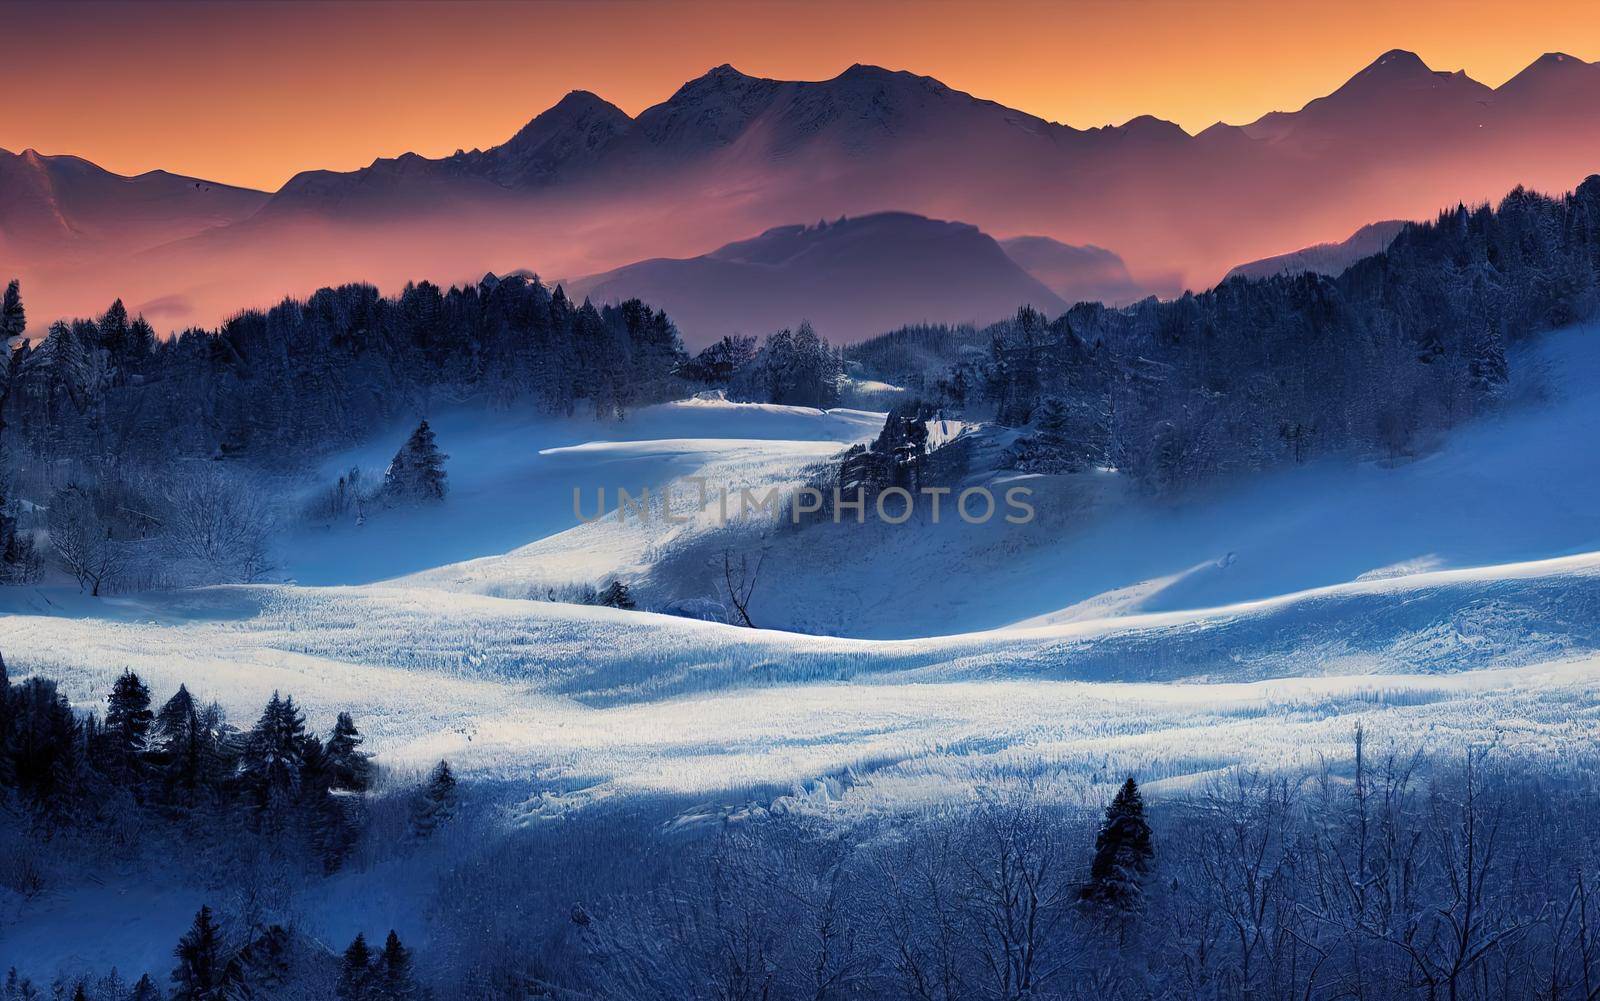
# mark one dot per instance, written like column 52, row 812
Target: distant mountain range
column 1081, row 274
column 584, row 187
column 53, row 206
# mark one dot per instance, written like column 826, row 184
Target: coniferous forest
column 1381, row 360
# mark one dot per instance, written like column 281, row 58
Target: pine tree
column 274, row 753
column 179, row 745
column 45, row 750
column 144, row 990
column 435, row 802
column 349, row 766
column 199, row 975
column 355, row 972
column 1122, row 854
column 616, row 595
column 417, row 471
column 13, row 319
column 395, row 980
column 80, row 993
column 128, row 719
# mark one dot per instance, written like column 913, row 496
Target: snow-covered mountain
column 851, row 278
column 1325, row 258
column 872, row 139
column 584, row 188
column 52, row 205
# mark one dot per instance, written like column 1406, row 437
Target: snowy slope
column 1512, row 487
column 608, row 700
column 512, row 479
column 1452, row 600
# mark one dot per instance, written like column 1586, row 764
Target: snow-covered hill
column 1479, row 557
column 1454, row 598
column 1513, row 487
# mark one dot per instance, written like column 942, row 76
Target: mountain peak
column 576, row 107
column 573, row 128
column 1555, row 63
column 1551, row 76
column 725, row 71
column 1396, row 62
column 580, row 100
column 1151, row 127
column 1400, row 70
column 867, row 69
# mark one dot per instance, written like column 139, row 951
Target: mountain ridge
column 583, row 188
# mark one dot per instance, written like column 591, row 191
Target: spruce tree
column 355, row 972
column 435, row 802
column 13, row 319
column 128, row 720
column 46, row 754
column 1122, row 854
column 261, row 969
column 199, row 975
column 417, row 470
column 616, row 595
column 179, row 746
column 395, row 980
column 274, row 753
column 349, row 766
column 1052, row 420
column 144, row 990
column 114, row 330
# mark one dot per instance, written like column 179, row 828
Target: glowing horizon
column 250, row 94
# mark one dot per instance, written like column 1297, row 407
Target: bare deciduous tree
column 741, row 583
column 83, row 542
column 1020, row 898
column 217, row 530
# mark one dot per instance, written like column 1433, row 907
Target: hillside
column 1079, row 274
column 852, row 279
column 1324, row 258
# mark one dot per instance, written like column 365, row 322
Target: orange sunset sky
column 249, row 93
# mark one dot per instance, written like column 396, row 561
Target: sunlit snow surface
column 1448, row 598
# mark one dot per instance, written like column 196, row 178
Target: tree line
column 1256, row 373
column 111, row 430
column 306, row 376
column 73, row 771
column 791, row 367
column 276, row 797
